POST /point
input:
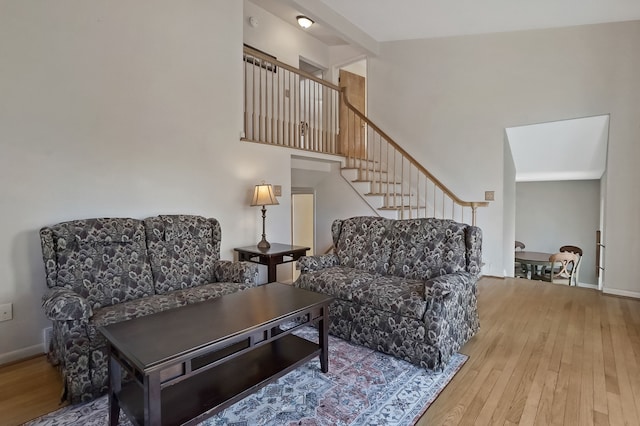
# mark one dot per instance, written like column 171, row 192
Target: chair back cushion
column 104, row 260
column 183, row 250
column 363, row 243
column 427, row 248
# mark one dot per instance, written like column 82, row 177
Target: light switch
column 277, row 190
column 489, row 195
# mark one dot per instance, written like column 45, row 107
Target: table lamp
column 263, row 196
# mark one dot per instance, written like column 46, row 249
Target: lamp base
column 264, row 244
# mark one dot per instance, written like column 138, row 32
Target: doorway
column 302, row 221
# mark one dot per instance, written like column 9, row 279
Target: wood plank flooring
column 545, row 355
column 28, row 389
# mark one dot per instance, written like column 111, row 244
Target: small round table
column 532, row 259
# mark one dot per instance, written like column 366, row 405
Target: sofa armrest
column 445, row 286
column 237, row 272
column 63, row 304
column 315, row 263
column 451, row 317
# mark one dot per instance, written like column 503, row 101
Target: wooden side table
column 272, row 257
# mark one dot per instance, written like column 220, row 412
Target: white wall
column 121, row 109
column 509, row 215
column 283, row 40
column 550, row 215
column 449, row 100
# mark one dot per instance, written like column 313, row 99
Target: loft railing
column 288, row 107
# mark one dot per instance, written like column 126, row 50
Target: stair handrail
column 271, row 59
column 473, row 204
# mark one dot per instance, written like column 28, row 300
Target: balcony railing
column 288, row 107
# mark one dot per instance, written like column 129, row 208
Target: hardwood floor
column 545, row 355
column 28, row 389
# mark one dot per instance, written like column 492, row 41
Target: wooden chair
column 567, row 262
column 576, row 267
column 520, row 270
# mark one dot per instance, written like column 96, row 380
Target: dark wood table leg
column 272, row 268
column 323, row 328
column 152, row 403
column 115, row 384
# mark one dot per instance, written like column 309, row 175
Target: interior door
column 351, row 130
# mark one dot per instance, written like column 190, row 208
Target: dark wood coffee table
column 190, row 362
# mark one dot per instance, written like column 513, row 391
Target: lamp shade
column 263, row 195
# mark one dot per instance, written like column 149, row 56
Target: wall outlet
column 6, row 311
column 277, row 190
column 489, row 195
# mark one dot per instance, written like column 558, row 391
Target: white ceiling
column 386, row 20
column 568, row 149
column 560, row 150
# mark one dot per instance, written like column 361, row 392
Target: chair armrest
column 451, row 317
column 315, row 263
column 63, row 304
column 236, row 272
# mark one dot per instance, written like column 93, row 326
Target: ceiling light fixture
column 304, row 22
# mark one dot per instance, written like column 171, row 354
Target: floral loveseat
column 403, row 287
column 102, row 271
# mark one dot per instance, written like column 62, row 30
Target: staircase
column 386, row 198
column 287, row 107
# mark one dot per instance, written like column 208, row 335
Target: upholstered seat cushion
column 156, row 303
column 394, row 295
column 338, row 281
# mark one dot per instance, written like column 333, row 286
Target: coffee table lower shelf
column 192, row 400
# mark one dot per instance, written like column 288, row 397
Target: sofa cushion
column 427, row 248
column 103, row 260
column 338, row 281
column 153, row 304
column 363, row 243
column 182, row 250
column 394, row 295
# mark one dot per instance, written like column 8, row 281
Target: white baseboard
column 625, row 293
column 21, row 354
column 585, row 285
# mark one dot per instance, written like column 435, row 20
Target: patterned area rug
column 362, row 387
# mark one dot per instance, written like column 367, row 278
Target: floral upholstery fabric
column 393, row 294
column 426, row 248
column 62, row 304
column 421, row 305
column 183, row 250
column 315, row 263
column 338, row 281
column 363, row 243
column 81, row 299
column 236, row 272
column 103, row 260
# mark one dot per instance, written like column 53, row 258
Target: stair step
column 356, row 162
